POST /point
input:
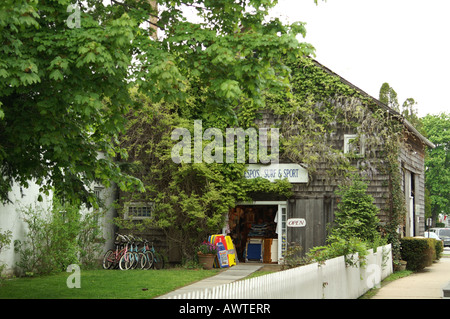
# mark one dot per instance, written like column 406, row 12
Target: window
column 138, row 210
column 353, row 144
column 97, row 192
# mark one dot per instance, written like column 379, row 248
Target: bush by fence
column 439, row 248
column 57, row 237
column 420, row 252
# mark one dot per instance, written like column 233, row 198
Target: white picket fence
column 331, row 280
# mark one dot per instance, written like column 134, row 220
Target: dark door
column 317, row 214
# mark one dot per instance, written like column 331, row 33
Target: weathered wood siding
column 321, row 185
column 412, row 160
column 309, row 199
column 318, row 213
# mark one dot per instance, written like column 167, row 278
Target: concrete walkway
column 426, row 284
column 229, row 275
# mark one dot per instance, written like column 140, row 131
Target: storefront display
column 253, row 229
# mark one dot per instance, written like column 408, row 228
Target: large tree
column 66, row 72
column 437, row 162
column 388, row 96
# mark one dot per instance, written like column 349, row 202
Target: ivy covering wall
column 192, row 200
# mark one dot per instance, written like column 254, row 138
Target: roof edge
column 418, row 134
column 401, row 118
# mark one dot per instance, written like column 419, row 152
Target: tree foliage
column 437, row 162
column 191, row 200
column 356, row 214
column 408, row 110
column 388, row 96
column 64, row 88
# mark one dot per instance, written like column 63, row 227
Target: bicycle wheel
column 137, row 256
column 140, row 260
column 158, row 261
column 133, row 260
column 147, row 261
column 125, row 261
column 108, row 259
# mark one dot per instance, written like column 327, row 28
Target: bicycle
column 127, row 259
column 127, row 255
column 133, row 257
column 112, row 257
column 158, row 261
column 147, row 256
column 153, row 258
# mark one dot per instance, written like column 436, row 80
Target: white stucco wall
column 11, row 219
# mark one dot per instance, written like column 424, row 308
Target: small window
column 138, row 210
column 353, row 144
column 98, row 192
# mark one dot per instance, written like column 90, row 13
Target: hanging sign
column 296, row 222
column 293, row 172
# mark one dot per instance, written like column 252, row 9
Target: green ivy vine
column 192, row 200
column 321, row 106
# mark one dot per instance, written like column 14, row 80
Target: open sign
column 296, row 222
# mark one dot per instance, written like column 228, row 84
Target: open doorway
column 254, row 231
column 410, row 198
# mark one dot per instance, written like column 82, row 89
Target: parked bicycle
column 147, row 258
column 130, row 259
column 112, row 257
column 153, row 259
column 158, row 259
column 132, row 253
column 136, row 255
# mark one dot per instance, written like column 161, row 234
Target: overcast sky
column 368, row 42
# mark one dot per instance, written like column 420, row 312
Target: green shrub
column 431, row 243
column 57, row 237
column 293, row 257
column 347, row 247
column 417, row 252
column 5, row 240
column 356, row 214
column 439, row 247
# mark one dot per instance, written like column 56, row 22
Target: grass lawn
column 103, row 284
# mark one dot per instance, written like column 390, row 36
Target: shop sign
column 296, row 222
column 293, row 172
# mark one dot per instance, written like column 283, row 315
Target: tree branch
column 128, row 7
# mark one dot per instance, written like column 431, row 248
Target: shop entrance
column 258, row 231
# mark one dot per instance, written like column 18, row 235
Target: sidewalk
column 229, row 275
column 426, row 284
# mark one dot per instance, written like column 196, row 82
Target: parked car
column 431, row 235
column 442, row 233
